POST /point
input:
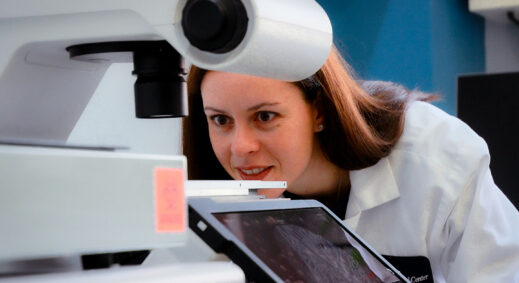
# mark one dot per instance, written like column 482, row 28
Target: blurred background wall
column 422, row 44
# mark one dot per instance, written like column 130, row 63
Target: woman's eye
column 265, row 116
column 220, row 120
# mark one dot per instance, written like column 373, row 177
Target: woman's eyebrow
column 258, row 106
column 252, row 108
column 213, row 109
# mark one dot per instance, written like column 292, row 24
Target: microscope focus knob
column 216, row 26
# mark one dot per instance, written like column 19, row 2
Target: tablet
column 283, row 240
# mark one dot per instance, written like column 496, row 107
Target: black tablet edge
column 210, row 206
column 253, row 272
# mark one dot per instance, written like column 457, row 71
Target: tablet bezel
column 222, row 240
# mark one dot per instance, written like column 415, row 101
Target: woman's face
column 260, row 129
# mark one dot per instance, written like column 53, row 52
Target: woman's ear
column 319, row 125
column 318, row 117
column 318, row 121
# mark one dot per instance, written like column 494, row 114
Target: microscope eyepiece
column 160, row 86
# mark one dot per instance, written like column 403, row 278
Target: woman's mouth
column 254, row 173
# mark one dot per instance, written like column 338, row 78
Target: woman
column 411, row 180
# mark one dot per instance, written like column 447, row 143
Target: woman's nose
column 244, row 141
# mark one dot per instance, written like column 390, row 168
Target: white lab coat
column 434, row 196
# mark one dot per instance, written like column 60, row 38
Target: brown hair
column 363, row 120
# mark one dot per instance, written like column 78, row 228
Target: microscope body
column 44, row 89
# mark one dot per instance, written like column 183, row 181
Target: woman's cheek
column 219, row 146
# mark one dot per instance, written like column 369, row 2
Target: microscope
column 61, row 200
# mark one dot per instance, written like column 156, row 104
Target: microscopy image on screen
column 305, row 245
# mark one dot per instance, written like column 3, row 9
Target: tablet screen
column 305, row 245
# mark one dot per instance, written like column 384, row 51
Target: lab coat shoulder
column 425, row 173
column 473, row 221
column 438, row 156
column 442, row 139
column 446, row 206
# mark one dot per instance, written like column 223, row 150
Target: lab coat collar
column 371, row 187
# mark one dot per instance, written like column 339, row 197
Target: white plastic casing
column 57, row 202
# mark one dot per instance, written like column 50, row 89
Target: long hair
column 363, row 120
